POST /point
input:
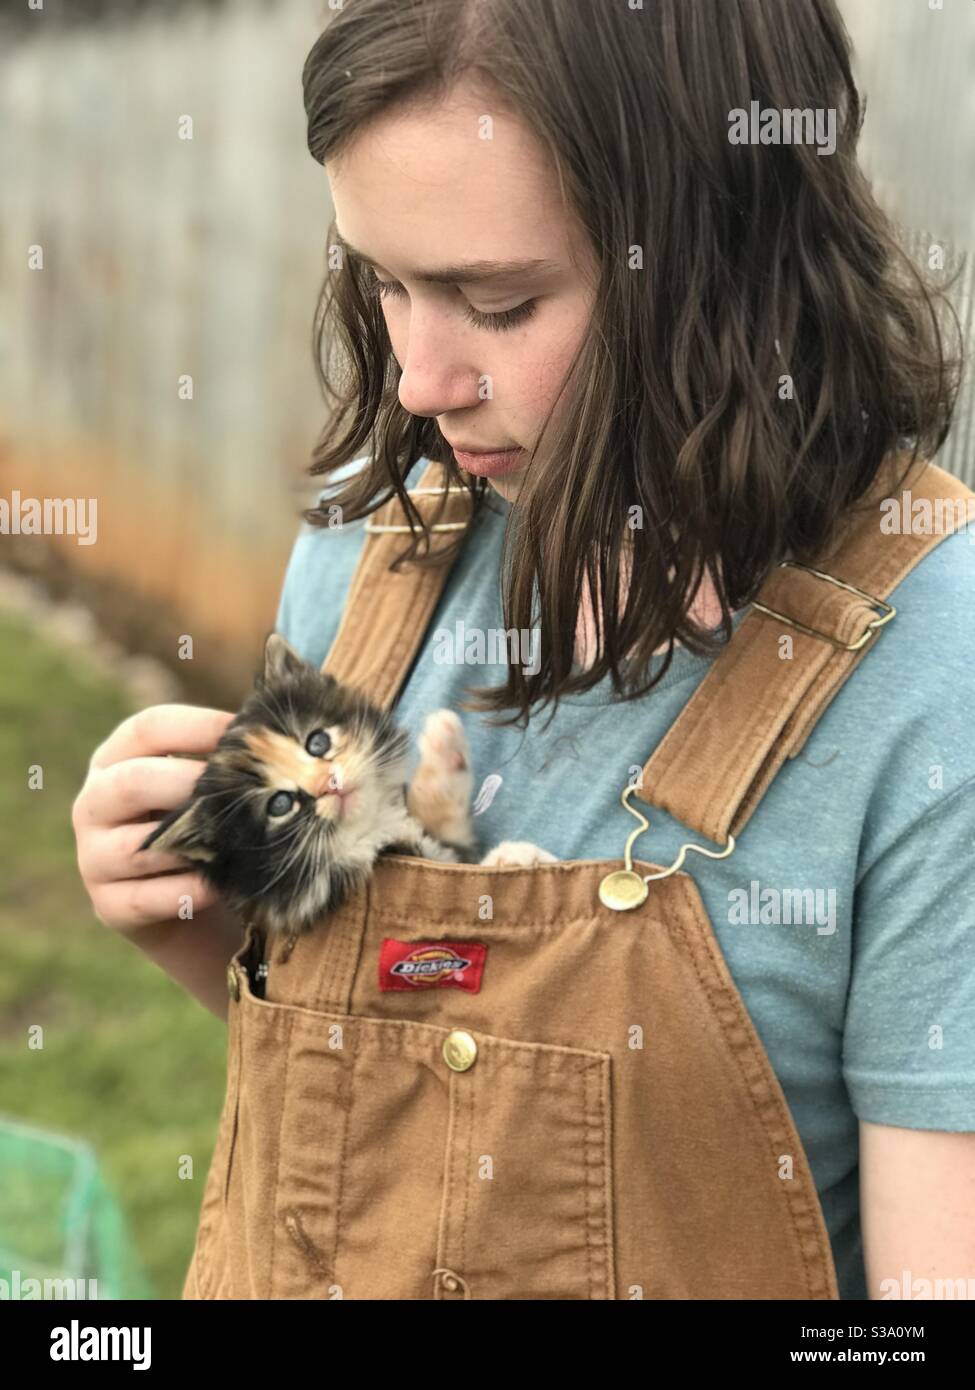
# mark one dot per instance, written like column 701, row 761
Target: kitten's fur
column 349, row 802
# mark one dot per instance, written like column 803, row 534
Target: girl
column 659, row 342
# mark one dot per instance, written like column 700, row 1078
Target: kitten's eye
column 318, row 743
column 280, row 803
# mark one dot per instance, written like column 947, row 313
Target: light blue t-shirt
column 866, row 1006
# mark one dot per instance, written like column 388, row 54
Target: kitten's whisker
column 225, row 811
column 290, row 858
column 285, row 837
column 312, row 866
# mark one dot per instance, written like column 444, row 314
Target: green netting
column 59, row 1220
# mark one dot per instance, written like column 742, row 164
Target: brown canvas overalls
column 581, row 1108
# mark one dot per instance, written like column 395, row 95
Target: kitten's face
column 297, row 798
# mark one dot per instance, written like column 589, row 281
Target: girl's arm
column 140, row 895
column 917, row 1211
column 195, row 954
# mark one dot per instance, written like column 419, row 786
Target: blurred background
column 156, row 304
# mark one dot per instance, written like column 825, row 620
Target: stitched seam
column 733, row 777
column 344, row 1151
column 342, row 963
column 910, row 1092
column 513, row 1051
column 909, row 829
column 604, row 1083
column 277, row 1158
column 468, row 1175
column 798, row 1206
column 443, row 1233
column 661, row 764
column 590, row 1125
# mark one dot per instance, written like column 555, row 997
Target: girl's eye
column 318, row 743
column 280, row 803
column 510, row 318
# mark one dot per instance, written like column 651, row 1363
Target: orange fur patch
column 287, row 761
column 433, row 807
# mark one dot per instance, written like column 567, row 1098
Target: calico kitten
column 306, row 788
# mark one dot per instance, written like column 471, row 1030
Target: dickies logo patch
column 431, row 965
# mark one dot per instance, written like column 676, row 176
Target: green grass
column 130, row 1063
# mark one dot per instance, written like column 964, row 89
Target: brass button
column 623, row 890
column 233, row 983
column 459, row 1050
column 449, row 1282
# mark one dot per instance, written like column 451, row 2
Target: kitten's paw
column 519, row 854
column 443, row 743
column 440, row 793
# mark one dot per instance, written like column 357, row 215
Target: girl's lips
column 490, row 465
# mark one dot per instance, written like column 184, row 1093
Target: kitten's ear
column 280, row 658
column 181, row 832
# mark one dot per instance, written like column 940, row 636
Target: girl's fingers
column 133, row 781
column 162, row 729
column 124, row 791
column 110, row 854
column 137, row 902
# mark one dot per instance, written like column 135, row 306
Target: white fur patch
column 520, row 854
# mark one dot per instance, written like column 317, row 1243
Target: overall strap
column 757, row 704
column 387, row 611
column 759, row 701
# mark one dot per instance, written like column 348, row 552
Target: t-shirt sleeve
column 909, row 1032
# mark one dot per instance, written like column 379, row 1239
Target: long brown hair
column 759, row 261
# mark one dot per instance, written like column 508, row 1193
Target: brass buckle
column 373, row 528
column 625, row 888
column 814, row 632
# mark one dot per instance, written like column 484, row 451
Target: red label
column 431, row 965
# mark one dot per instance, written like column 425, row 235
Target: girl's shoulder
column 905, row 717
column 932, row 637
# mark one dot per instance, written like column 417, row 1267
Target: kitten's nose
column 328, row 782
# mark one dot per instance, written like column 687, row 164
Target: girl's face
column 459, row 211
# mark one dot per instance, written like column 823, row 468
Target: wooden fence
column 170, row 261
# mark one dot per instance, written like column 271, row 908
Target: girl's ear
column 181, row 832
column 280, row 658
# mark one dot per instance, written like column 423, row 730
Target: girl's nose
column 437, row 375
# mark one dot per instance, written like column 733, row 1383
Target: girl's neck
column 705, row 610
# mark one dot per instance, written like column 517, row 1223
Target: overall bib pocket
column 358, row 1161
column 527, row 1205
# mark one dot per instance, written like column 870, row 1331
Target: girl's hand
column 131, row 779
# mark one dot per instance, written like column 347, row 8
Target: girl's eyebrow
column 467, row 272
